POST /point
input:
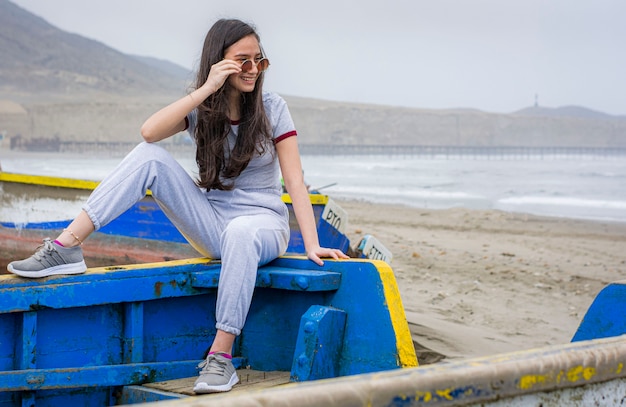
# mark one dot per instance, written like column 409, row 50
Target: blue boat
column 88, row 339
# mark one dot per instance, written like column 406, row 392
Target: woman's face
column 244, row 49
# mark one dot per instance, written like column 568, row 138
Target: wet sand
column 476, row 283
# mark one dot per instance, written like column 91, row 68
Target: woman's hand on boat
column 318, row 253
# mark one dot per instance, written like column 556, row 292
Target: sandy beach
column 476, row 283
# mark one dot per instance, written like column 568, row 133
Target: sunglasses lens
column 246, row 66
column 263, row 64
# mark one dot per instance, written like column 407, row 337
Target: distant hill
column 563, row 111
column 38, row 58
column 334, row 124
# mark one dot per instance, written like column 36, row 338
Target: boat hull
column 79, row 338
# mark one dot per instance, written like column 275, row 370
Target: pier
column 467, row 152
column 421, row 151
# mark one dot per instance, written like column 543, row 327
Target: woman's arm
column 171, row 119
column 291, row 169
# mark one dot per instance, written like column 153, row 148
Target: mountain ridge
column 40, row 58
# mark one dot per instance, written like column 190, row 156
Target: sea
column 578, row 187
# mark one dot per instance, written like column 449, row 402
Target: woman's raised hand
column 219, row 74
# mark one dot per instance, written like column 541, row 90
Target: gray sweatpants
column 243, row 228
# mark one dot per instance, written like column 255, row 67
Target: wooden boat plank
column 249, row 379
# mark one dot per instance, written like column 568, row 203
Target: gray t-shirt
column 263, row 171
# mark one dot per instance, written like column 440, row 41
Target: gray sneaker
column 218, row 374
column 50, row 259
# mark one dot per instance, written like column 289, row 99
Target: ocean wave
column 563, row 201
column 403, row 193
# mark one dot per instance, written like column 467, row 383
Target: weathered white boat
column 33, row 206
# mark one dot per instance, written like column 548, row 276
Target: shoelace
column 212, row 365
column 46, row 252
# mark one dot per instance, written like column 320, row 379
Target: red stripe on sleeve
column 284, row 136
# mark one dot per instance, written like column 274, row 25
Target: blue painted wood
column 331, row 237
column 19, row 295
column 10, row 332
column 95, row 396
column 26, row 356
column 100, row 376
column 95, row 376
column 206, row 279
column 327, row 234
column 364, row 349
column 279, row 278
column 144, row 220
column 300, row 280
column 296, row 243
column 319, row 344
column 178, row 328
column 606, row 316
column 269, row 336
column 72, row 291
column 100, row 324
column 26, row 353
column 28, row 399
column 133, row 332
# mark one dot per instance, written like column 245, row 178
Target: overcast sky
column 493, row 55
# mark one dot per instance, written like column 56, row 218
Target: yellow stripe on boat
column 147, row 266
column 72, row 183
column 316, row 199
column 406, row 350
column 44, row 180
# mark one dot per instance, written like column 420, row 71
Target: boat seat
column 278, row 278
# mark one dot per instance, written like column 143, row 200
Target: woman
column 244, row 139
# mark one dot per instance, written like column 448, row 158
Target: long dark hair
column 213, row 124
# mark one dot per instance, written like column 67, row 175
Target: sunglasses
column 262, row 65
